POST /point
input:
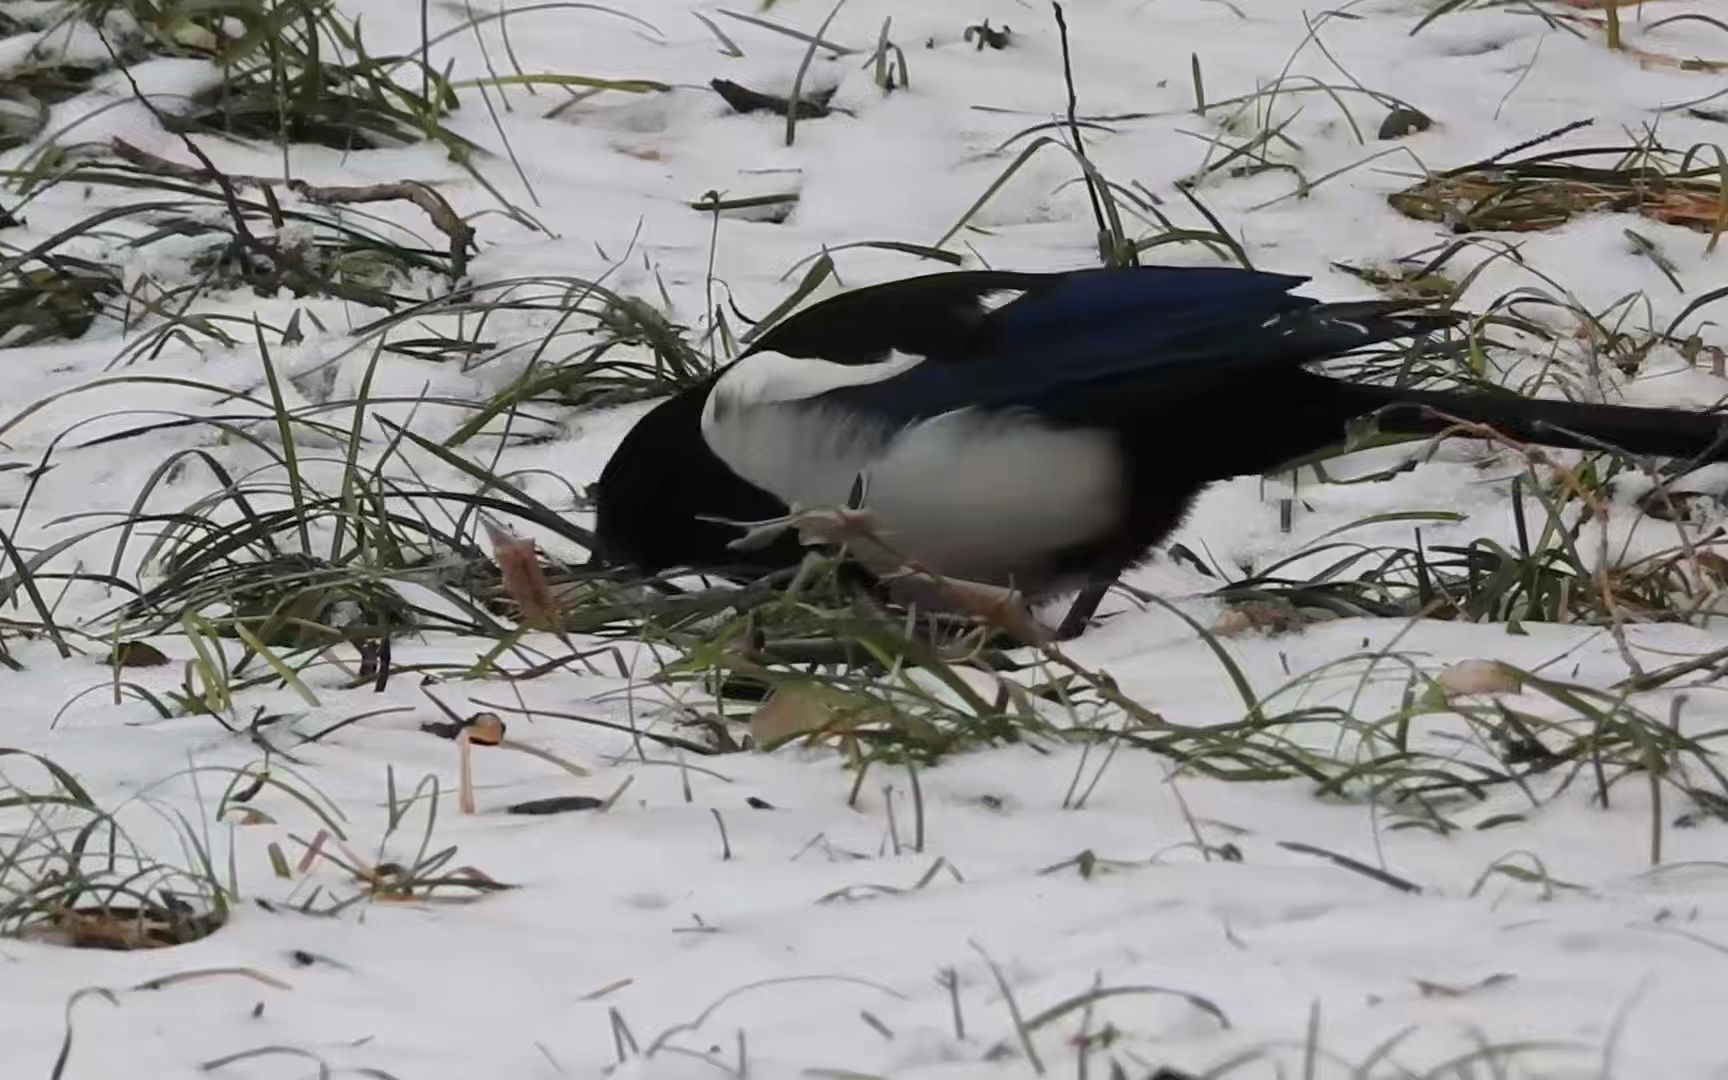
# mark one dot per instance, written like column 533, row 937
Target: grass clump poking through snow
column 291, row 70
column 598, row 347
column 1557, row 571
column 70, row 874
column 427, row 875
column 218, row 233
column 1544, row 190
column 1589, row 18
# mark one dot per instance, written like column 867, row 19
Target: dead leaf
column 1714, row 565
column 789, row 711
column 524, row 579
column 1257, row 616
column 1477, row 677
column 136, row 654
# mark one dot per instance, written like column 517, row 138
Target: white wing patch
column 766, row 378
column 985, row 496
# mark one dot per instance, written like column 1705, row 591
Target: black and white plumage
column 1036, row 430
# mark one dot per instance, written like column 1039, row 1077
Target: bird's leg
column 1084, row 607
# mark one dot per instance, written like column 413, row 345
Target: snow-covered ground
column 687, row 932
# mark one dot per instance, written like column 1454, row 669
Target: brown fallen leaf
column 1477, row 677
column 789, row 711
column 136, row 654
column 524, row 579
column 1242, row 619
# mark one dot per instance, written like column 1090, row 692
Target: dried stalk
column 437, row 209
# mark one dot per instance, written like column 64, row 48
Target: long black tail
column 1674, row 433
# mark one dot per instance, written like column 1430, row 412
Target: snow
column 819, row 947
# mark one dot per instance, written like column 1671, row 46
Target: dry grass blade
column 1547, row 190
column 437, row 209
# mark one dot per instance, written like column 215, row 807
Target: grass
column 1544, row 190
column 295, row 70
column 72, row 874
column 421, row 875
column 1094, row 1029
column 1590, row 18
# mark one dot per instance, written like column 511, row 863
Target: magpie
column 1041, row 431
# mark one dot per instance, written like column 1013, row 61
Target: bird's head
column 658, row 497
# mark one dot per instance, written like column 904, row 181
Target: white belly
column 988, row 497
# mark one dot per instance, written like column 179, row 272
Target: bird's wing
column 1187, row 329
column 924, row 346
column 935, row 314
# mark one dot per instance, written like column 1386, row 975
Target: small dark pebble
column 301, row 958
column 560, row 804
column 758, row 804
column 1402, row 121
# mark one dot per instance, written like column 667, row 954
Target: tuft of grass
column 1546, row 189
column 292, row 71
column 71, row 875
column 1575, row 18
column 423, row 875
column 60, row 287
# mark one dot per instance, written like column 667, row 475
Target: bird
column 1041, row 431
